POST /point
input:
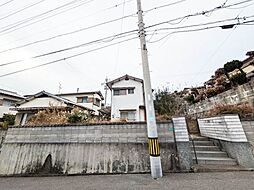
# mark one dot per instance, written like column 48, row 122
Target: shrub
column 243, row 110
column 78, row 116
column 239, row 78
column 190, row 99
column 210, row 92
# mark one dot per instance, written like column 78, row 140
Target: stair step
column 217, row 161
column 202, row 143
column 205, row 148
column 199, row 138
column 211, row 154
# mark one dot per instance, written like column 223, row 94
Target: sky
column 176, row 60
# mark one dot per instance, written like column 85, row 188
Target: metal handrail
column 194, row 148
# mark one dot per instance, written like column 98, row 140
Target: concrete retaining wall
column 228, row 133
column 228, row 128
column 118, row 148
column 240, row 94
column 2, row 137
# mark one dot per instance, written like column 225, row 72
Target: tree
column 232, row 65
column 166, row 104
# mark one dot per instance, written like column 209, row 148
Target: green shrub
column 9, row 119
column 239, row 78
column 190, row 99
column 4, row 125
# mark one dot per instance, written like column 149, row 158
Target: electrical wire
column 16, row 24
column 31, row 43
column 198, row 14
column 6, row 3
column 20, row 10
column 163, row 6
column 63, row 59
column 104, row 40
column 69, row 33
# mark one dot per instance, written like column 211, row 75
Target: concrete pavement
column 195, row 181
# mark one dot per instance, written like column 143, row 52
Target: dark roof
column 125, row 77
column 250, row 53
column 79, row 93
column 47, row 94
column 10, row 93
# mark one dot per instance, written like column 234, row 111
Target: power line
column 198, row 14
column 127, row 16
column 21, row 22
column 63, row 59
column 120, row 35
column 163, row 6
column 105, row 39
column 20, row 10
column 6, row 3
column 200, row 29
column 60, row 35
column 69, row 33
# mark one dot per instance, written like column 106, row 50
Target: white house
column 8, row 99
column 92, row 100
column 127, row 99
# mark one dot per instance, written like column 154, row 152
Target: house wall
column 5, row 104
column 248, row 69
column 42, row 102
column 128, row 101
column 240, row 94
column 88, row 105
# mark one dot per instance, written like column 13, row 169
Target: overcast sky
column 176, row 61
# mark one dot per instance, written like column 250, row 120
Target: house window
column 129, row 115
column 119, row 92
column 82, row 99
column 130, row 91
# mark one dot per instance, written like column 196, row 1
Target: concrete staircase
column 209, row 154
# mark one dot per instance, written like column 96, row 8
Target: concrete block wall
column 240, row 94
column 2, row 137
column 114, row 148
column 182, row 143
column 228, row 128
column 228, row 133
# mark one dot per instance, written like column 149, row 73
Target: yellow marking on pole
column 154, row 149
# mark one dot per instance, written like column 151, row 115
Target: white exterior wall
column 128, row 101
column 73, row 97
column 4, row 109
column 42, row 102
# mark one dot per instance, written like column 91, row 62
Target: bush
column 190, row 99
column 9, row 119
column 210, row 92
column 239, row 78
column 232, row 65
column 78, row 116
column 4, row 125
column 243, row 110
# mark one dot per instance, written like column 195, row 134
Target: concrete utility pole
column 154, row 149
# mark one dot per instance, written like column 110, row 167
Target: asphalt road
column 193, row 181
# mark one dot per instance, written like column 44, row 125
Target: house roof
column 47, row 94
column 248, row 61
column 125, row 77
column 10, row 93
column 80, row 93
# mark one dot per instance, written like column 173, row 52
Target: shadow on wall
column 46, row 168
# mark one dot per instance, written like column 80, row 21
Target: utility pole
column 106, row 89
column 154, row 149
